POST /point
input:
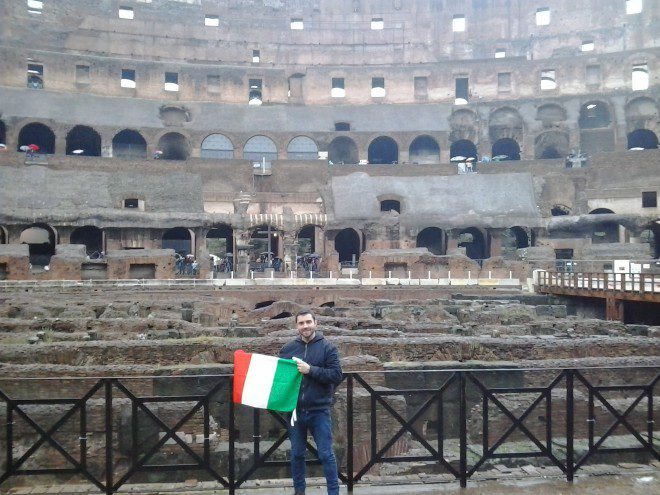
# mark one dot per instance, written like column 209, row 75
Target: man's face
column 306, row 326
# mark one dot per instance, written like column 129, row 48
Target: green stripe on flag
column 286, row 385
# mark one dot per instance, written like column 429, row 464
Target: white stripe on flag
column 259, row 381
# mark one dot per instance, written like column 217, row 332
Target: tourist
column 321, row 374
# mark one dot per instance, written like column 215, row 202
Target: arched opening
column 605, row 232
column 551, row 145
column 347, row 244
column 258, row 148
column 473, row 241
column 383, row 150
column 129, row 144
column 512, row 239
column 302, row 148
column 83, row 140
column 463, row 147
column 388, row 205
column 263, row 304
column 307, row 240
column 424, row 150
column 3, row 133
column 217, row 146
column 91, row 237
column 594, row 115
column 41, row 240
column 642, row 139
column 342, row 150
column 38, row 134
column 265, row 244
column 174, row 146
column 282, row 315
column 432, row 239
column 560, row 210
column 550, row 114
column 3, row 235
column 506, row 149
column 220, row 240
column 179, row 239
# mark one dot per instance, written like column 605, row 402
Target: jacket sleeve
column 330, row 372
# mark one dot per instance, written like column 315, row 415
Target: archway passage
column 473, row 241
column 174, row 146
column 265, row 243
column 506, row 149
column 41, row 241
column 307, row 240
column 302, row 148
column 179, row 239
column 83, row 140
column 260, row 147
column 91, row 237
column 642, row 138
column 463, row 147
column 38, row 134
column 594, row 115
column 424, row 150
column 129, row 144
column 513, row 239
column 383, row 150
column 342, row 150
column 605, row 232
column 220, row 240
column 551, row 145
column 432, row 239
column 347, row 244
column 217, row 146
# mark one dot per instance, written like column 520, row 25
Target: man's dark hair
column 304, row 312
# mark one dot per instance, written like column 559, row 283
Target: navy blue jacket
column 318, row 386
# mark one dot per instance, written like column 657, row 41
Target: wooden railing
column 637, row 283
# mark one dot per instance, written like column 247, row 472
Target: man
column 318, row 361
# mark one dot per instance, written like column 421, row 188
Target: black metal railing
column 121, row 430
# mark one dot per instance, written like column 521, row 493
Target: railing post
column 462, row 418
column 108, row 437
column 349, row 433
column 570, row 462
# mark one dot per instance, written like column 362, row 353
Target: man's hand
column 303, row 367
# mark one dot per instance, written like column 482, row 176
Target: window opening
column 128, row 78
column 390, row 205
column 634, row 6
column 338, row 90
column 131, row 203
column 256, row 56
column 377, row 24
column 500, row 53
column 587, row 46
column 254, row 97
column 421, row 86
column 543, row 16
column 126, row 13
column 297, row 24
column 593, row 74
column 35, row 6
column 35, row 76
column 211, row 20
column 377, row 87
column 649, row 199
column 462, row 91
column 171, row 81
column 548, row 80
column 640, row 77
column 342, row 126
column 458, row 23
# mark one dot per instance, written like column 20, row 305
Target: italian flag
column 266, row 382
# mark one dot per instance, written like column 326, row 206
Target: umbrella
column 3, row 146
column 457, row 159
column 230, row 255
column 497, row 158
column 33, row 147
column 24, row 148
column 267, row 253
column 78, row 152
column 313, row 255
column 471, row 159
column 34, row 235
column 158, row 152
column 637, row 148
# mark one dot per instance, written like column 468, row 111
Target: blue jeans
column 319, row 423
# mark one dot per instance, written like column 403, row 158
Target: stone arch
column 41, row 239
column 642, row 138
column 383, row 151
column 39, row 134
column 432, row 238
column 594, row 115
column 474, row 242
column 260, row 147
column 178, row 238
column 347, row 244
column 424, row 150
column 551, row 145
column 220, row 240
column 129, row 143
column 551, row 114
column 560, row 210
column 306, row 237
column 217, row 146
column 506, row 149
column 175, row 146
column 604, row 232
column 514, row 238
column 90, row 236
column 261, row 241
column 463, row 124
column 463, row 147
column 505, row 122
column 596, row 132
column 4, row 238
column 83, row 140
column 302, row 148
column 342, row 150
column 642, row 113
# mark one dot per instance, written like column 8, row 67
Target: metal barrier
column 454, row 407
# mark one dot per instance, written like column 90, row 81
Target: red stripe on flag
column 241, row 365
